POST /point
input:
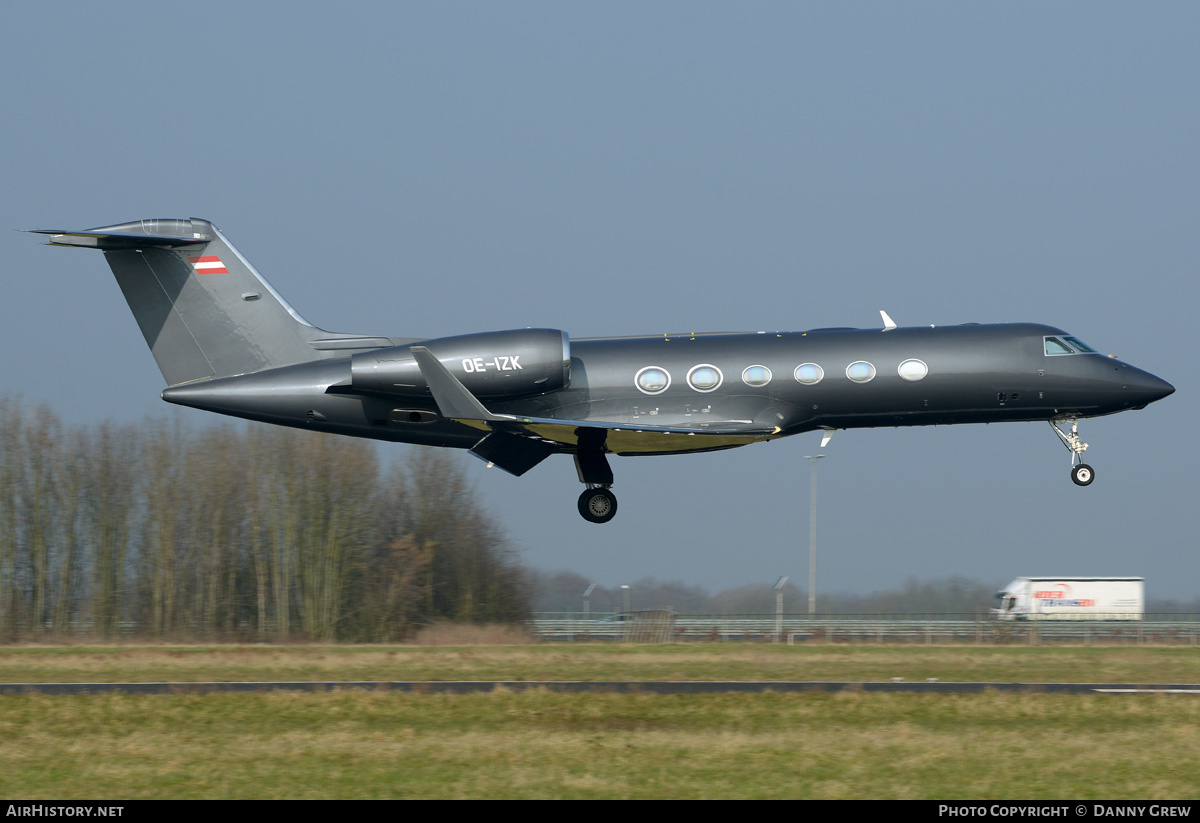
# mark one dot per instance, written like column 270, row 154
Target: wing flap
column 516, row 455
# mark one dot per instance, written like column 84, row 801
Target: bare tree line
column 249, row 532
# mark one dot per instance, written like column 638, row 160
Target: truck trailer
column 1071, row 598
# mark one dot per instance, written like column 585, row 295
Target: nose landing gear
column 1081, row 473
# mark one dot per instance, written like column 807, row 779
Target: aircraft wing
column 523, row 442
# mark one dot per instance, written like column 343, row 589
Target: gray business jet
column 227, row 342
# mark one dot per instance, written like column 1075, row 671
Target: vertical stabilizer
column 202, row 307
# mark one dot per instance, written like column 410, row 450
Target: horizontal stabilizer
column 99, row 239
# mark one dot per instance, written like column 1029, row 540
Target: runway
column 593, row 687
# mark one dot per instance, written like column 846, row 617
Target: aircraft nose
column 1146, row 387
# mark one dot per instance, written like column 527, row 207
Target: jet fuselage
column 773, row 383
column 227, row 342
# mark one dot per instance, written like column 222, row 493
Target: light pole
column 779, row 584
column 812, row 536
column 587, row 601
column 626, row 621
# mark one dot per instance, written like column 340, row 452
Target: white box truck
column 1071, row 598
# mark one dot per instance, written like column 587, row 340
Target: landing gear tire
column 597, row 505
column 1081, row 473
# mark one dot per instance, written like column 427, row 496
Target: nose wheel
column 1081, row 473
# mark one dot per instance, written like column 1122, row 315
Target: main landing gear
column 597, row 504
column 1081, row 473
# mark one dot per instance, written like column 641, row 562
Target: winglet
column 452, row 397
column 888, row 323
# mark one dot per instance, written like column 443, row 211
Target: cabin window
column 809, row 373
column 913, row 369
column 860, row 371
column 705, row 377
column 1056, row 346
column 652, row 380
column 756, row 376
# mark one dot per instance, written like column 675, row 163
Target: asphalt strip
column 592, row 687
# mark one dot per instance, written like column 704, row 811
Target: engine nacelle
column 497, row 364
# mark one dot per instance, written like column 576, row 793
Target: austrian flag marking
column 208, row 265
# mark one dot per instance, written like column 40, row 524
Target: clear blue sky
column 621, row 168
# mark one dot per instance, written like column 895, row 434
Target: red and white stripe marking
column 208, row 265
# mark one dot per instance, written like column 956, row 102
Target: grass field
column 542, row 745
column 742, row 661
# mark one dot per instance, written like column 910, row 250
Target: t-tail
column 202, row 307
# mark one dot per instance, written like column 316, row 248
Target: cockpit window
column 1056, row 346
column 1067, row 345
